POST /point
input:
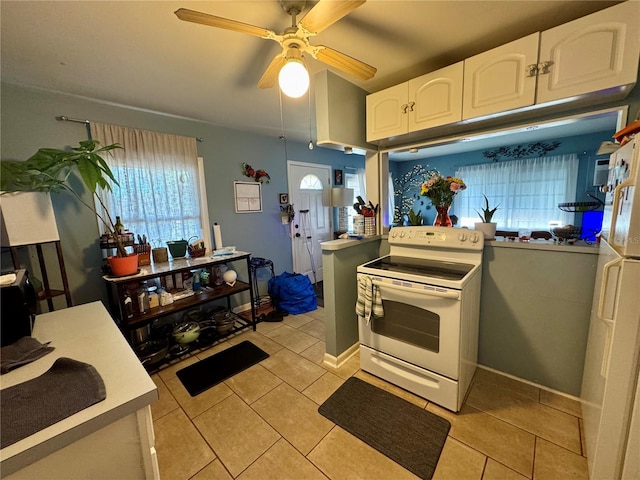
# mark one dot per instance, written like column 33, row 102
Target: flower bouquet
column 441, row 191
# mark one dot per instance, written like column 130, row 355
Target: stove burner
column 421, row 266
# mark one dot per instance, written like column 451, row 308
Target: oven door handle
column 446, row 294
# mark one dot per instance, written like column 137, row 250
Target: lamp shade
column 341, row 197
column 293, row 78
column 27, row 218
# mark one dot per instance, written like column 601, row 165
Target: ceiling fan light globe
column 293, row 79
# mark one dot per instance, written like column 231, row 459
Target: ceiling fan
column 294, row 40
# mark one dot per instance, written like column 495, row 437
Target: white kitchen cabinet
column 387, row 112
column 501, row 79
column 111, row 439
column 428, row 101
column 590, row 54
column 436, row 98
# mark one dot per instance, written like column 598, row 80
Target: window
column 311, row 182
column 355, row 180
column 527, row 192
column 160, row 192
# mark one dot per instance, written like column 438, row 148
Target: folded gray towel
column 24, row 350
column 68, row 387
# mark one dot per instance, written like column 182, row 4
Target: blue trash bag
column 293, row 293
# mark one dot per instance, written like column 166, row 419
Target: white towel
column 369, row 301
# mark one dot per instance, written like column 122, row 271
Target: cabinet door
column 591, row 53
column 436, row 98
column 387, row 112
column 501, row 79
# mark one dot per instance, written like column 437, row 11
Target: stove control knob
column 474, row 238
column 402, row 234
column 462, row 237
column 394, row 233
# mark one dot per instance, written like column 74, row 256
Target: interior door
column 309, row 187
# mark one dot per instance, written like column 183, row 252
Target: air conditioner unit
column 601, row 172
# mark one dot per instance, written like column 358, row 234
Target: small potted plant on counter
column 49, row 169
column 486, row 226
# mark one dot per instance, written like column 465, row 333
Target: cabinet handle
column 411, row 105
column 404, row 108
column 543, row 68
column 532, row 70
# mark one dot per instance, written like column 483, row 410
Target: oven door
column 421, row 325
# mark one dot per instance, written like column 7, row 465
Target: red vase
column 442, row 216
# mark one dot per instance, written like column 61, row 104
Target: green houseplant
column 49, row 169
column 486, row 226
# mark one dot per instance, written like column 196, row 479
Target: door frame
column 326, row 195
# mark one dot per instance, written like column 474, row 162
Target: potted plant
column 486, row 226
column 49, row 169
column 415, row 218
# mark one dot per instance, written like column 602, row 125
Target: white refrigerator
column 610, row 384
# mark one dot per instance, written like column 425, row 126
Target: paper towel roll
column 217, row 236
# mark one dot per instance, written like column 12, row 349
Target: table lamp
column 342, row 198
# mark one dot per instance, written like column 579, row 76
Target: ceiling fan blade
column 220, row 22
column 344, row 62
column 270, row 75
column 326, row 12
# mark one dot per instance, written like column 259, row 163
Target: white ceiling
column 138, row 54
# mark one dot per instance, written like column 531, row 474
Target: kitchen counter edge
column 86, row 333
column 343, row 243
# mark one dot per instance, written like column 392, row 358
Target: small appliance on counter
column 18, row 306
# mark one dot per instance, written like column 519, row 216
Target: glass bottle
column 143, row 298
column 128, row 305
column 119, row 226
column 196, row 281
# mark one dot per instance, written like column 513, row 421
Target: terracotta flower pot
column 122, row 266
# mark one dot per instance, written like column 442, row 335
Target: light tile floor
column 263, row 423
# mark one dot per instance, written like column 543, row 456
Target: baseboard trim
column 528, row 382
column 337, row 362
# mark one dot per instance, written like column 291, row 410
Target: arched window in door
column 311, row 182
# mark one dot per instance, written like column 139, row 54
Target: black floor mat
column 206, row 373
column 402, row 431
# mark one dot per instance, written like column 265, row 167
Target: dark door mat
column 402, row 431
column 206, row 373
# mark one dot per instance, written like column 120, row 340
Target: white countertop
column 86, row 333
column 343, row 243
column 549, row 245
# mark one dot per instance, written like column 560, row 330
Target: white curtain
column 527, row 192
column 159, row 193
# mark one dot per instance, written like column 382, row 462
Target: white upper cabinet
column 589, row 54
column 387, row 112
column 436, row 98
column 428, row 101
column 501, row 79
column 596, row 53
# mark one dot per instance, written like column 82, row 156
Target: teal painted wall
column 28, row 123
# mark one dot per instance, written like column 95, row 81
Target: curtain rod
column 63, row 118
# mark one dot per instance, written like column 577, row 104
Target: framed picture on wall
column 248, row 197
column 284, row 198
column 337, row 177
